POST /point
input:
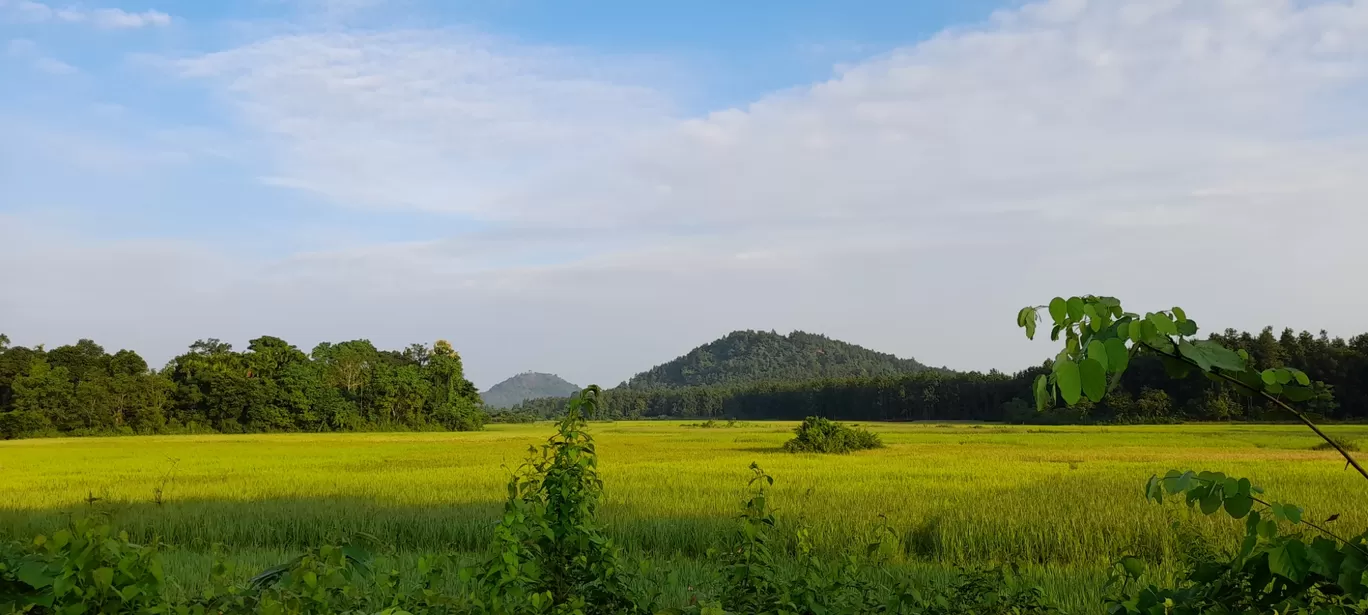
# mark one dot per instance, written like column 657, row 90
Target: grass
column 1060, row 501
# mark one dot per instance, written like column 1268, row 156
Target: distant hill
column 744, row 357
column 525, row 386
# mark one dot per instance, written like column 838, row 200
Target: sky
column 593, row 188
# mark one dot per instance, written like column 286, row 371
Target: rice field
column 1062, row 502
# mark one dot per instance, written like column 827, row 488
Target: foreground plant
column 1271, row 571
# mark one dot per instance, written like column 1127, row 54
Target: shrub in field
column 819, row 435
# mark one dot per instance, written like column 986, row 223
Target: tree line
column 271, row 386
column 353, row 386
column 1148, row 395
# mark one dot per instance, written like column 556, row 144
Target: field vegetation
column 955, row 494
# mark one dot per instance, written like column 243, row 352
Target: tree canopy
column 748, row 357
column 271, row 386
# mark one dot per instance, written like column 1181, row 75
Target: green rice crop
column 1061, row 501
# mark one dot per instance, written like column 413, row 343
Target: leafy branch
column 1101, row 338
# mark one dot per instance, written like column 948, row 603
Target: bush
column 1348, row 445
column 819, row 435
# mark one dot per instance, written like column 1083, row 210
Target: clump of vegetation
column 1344, row 445
column 716, row 424
column 820, row 435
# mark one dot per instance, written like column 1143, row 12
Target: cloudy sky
column 591, row 188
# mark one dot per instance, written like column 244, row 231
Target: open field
column 1061, row 501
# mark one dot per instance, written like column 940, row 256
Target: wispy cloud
column 27, row 50
column 106, row 18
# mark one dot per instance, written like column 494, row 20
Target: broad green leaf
column 1289, row 560
column 1030, row 323
column 35, row 574
column 1190, row 352
column 1179, row 314
column 1300, row 376
column 1324, row 557
column 1040, row 393
column 103, row 577
column 1212, row 354
column 1094, row 377
column 1176, row 369
column 1068, row 380
column 1187, row 328
column 1118, row 357
column 1351, row 570
column 1238, row 505
column 1212, row 500
column 1298, row 393
column 1154, row 489
column 1163, row 324
column 1075, row 308
column 1133, row 566
column 1269, row 377
column 1282, row 375
column 1097, row 351
column 1136, row 332
column 1059, row 310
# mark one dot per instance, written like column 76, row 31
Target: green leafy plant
column 1272, row 571
column 83, row 568
column 549, row 552
column 820, row 435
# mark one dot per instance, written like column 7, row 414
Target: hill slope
column 525, row 386
column 743, row 357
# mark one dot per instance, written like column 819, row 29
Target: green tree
column 45, row 391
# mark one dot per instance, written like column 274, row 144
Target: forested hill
column 745, row 357
column 525, row 386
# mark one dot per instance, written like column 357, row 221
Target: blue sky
column 591, row 188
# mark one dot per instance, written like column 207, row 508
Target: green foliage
column 1273, row 570
column 751, row 357
column 1096, row 337
column 85, row 567
column 820, row 435
column 548, row 549
column 273, row 386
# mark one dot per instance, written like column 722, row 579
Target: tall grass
column 958, row 494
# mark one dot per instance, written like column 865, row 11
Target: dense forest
column 525, row 386
column 272, row 386
column 1147, row 395
column 749, row 357
column 348, row 386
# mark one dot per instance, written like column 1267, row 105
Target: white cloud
column 1166, row 152
column 120, row 19
column 106, row 18
column 54, row 66
column 28, row 50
